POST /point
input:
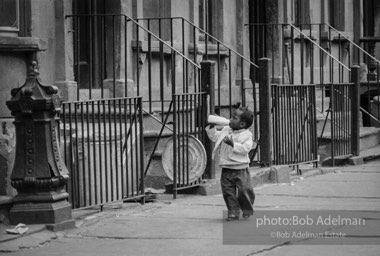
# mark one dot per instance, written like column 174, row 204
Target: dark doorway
column 257, row 45
column 88, row 43
column 365, row 103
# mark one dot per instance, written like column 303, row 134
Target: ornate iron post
column 39, row 174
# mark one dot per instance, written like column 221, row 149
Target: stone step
column 325, row 125
column 365, row 155
column 370, row 153
column 369, row 138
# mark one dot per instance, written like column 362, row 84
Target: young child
column 234, row 142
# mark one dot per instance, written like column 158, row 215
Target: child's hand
column 228, row 140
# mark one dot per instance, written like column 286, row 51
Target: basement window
column 9, row 17
column 15, row 18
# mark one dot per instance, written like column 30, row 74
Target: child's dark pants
column 237, row 191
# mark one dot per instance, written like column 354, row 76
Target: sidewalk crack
column 270, row 248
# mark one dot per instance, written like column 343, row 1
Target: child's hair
column 246, row 116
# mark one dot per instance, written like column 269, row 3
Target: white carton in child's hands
column 218, row 120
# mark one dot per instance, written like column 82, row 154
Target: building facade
column 79, row 49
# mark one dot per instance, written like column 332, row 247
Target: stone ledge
column 280, row 174
column 22, row 44
column 339, row 160
column 351, row 160
column 355, row 160
column 210, row 187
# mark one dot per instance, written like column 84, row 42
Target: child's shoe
column 246, row 215
column 232, row 217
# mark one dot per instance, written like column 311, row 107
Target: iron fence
column 189, row 157
column 102, row 145
column 339, row 121
column 294, row 124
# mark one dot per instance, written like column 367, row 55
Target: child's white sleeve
column 244, row 147
column 212, row 133
column 241, row 149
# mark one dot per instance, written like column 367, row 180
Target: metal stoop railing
column 234, row 72
column 370, row 76
column 294, row 124
column 304, row 50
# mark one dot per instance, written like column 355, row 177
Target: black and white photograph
column 190, row 127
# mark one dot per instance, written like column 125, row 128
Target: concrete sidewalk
column 193, row 224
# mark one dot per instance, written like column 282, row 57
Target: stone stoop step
column 366, row 155
column 369, row 149
column 369, row 138
column 325, row 125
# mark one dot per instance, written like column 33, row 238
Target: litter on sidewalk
column 18, row 230
column 150, row 196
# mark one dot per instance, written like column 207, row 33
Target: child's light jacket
column 232, row 157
